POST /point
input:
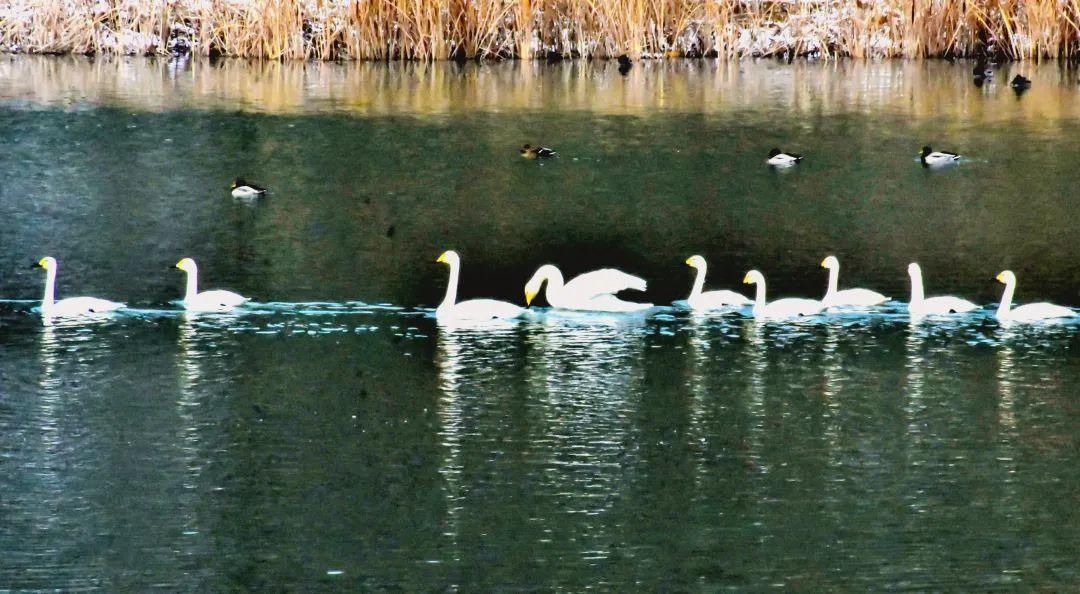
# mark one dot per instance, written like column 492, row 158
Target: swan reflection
column 469, row 361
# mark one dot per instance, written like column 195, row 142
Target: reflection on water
column 314, row 442
column 920, row 89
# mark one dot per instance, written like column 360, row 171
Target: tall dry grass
column 445, row 29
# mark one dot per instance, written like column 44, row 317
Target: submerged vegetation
column 552, row 29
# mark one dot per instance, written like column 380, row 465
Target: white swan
column 781, row 308
column 1026, row 313
column 473, row 310
column 711, row 299
column 72, row 306
column 207, row 300
column 929, row 306
column 848, row 297
column 592, row 291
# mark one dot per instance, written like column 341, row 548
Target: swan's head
column 1006, row 277
column 914, row 270
column 773, row 152
column 449, row 257
column 48, row 263
column 695, row 262
column 830, row 262
column 926, row 150
column 753, row 277
column 187, row 265
column 542, row 274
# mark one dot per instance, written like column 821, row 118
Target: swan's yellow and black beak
column 823, row 263
column 442, row 258
column 529, row 296
column 690, row 261
column 1000, row 277
column 746, row 279
column 39, row 264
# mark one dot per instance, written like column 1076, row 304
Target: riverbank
column 552, row 29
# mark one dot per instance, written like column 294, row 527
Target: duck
column 847, row 297
column 624, row 64
column 591, row 291
column 710, row 300
column 530, row 152
column 72, row 306
column 1031, row 312
column 932, row 158
column 778, row 158
column 450, row 311
column 1020, row 83
column 928, row 306
column 207, row 300
column 242, row 189
column 781, row 308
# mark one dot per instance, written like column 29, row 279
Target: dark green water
column 333, row 438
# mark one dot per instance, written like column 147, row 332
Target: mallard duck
column 778, row 158
column 932, row 158
column 242, row 189
column 530, row 152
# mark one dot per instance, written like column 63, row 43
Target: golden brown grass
column 444, row 29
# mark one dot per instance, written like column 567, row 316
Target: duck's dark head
column 624, row 60
column 775, row 151
column 237, row 183
column 926, row 150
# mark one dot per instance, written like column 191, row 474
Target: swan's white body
column 847, row 297
column 921, row 305
column 932, row 158
column 72, row 306
column 592, row 291
column 1030, row 312
column 473, row 310
column 710, row 300
column 207, row 300
column 781, row 308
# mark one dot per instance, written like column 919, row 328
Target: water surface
column 332, row 437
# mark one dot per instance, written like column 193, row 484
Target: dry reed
column 458, row 29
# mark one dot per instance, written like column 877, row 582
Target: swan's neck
column 834, row 279
column 192, row 284
column 759, row 296
column 451, row 287
column 699, row 283
column 50, row 290
column 554, row 284
column 1006, row 300
column 917, row 295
